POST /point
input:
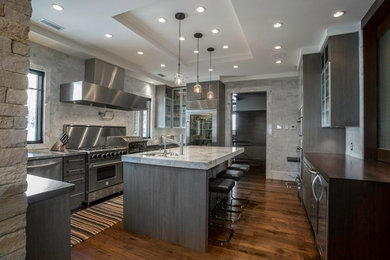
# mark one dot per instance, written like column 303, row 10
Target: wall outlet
column 351, row 146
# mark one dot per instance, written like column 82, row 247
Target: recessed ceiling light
column 278, row 25
column 140, row 53
column 200, row 9
column 235, row 66
column 196, row 51
column 278, row 61
column 162, row 65
column 225, row 46
column 210, row 70
column 338, row 14
column 57, row 7
column 108, row 35
column 182, row 38
column 162, row 20
column 278, row 47
column 151, row 82
column 215, row 30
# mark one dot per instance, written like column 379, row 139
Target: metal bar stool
column 234, row 175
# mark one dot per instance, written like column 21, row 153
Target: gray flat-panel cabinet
column 340, row 81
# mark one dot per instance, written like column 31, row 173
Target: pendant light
column 197, row 87
column 179, row 79
column 210, row 94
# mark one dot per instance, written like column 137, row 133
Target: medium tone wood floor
column 272, row 226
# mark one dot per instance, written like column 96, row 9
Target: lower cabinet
column 74, row 172
column 315, row 199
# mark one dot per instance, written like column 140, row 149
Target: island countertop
column 195, row 157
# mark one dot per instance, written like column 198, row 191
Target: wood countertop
column 340, row 166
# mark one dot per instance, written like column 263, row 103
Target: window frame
column 40, row 107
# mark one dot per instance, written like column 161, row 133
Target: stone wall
column 61, row 68
column 14, row 63
column 282, row 109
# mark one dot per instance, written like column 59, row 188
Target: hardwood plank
column 273, row 226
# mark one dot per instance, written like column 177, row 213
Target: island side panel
column 167, row 203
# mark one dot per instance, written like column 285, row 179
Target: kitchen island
column 166, row 197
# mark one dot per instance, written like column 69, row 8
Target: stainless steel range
column 104, row 175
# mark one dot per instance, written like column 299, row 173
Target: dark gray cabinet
column 340, row 81
column 74, row 172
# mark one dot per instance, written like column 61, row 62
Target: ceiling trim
column 97, row 53
column 292, row 74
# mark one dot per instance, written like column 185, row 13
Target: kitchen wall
column 282, row 109
column 62, row 68
column 14, row 51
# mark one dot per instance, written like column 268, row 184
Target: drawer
column 74, row 161
column 69, row 172
column 76, row 200
column 79, row 184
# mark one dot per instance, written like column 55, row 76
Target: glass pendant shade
column 179, row 79
column 210, row 95
column 197, row 88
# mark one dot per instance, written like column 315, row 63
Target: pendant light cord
column 197, row 65
column 210, row 72
column 179, row 45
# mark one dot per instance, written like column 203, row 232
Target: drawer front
column 74, row 161
column 76, row 200
column 79, row 182
column 69, row 172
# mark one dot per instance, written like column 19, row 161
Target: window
column 35, row 106
column 142, row 123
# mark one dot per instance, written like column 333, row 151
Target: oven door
column 105, row 174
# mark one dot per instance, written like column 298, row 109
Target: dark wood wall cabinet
column 315, row 137
column 346, row 201
column 340, row 81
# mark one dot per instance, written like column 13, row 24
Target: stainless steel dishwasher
column 47, row 168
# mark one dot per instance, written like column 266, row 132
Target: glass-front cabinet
column 168, row 107
column 179, row 99
column 325, row 90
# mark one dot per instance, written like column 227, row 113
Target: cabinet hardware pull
column 42, row 165
column 75, row 170
column 75, row 160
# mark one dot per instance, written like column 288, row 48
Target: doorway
column 249, row 127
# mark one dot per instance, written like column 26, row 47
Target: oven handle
column 103, row 164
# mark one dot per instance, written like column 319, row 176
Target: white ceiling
column 246, row 26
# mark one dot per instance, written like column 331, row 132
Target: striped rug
column 90, row 221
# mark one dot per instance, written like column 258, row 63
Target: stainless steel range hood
column 103, row 87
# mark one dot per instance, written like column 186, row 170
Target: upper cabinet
column 170, row 107
column 179, row 98
column 340, row 81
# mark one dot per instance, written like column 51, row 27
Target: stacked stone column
column 14, row 64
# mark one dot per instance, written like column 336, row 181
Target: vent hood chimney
column 103, row 87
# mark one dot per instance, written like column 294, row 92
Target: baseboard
column 281, row 175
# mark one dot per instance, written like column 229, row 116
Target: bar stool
column 234, row 175
column 223, row 186
column 240, row 166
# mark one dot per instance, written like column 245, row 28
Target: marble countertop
column 39, row 188
column 195, row 157
column 46, row 153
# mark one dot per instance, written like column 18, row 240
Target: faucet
column 169, row 139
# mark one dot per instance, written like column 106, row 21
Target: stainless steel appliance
column 47, row 168
column 299, row 177
column 103, row 87
column 104, row 174
column 315, row 196
column 201, row 128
